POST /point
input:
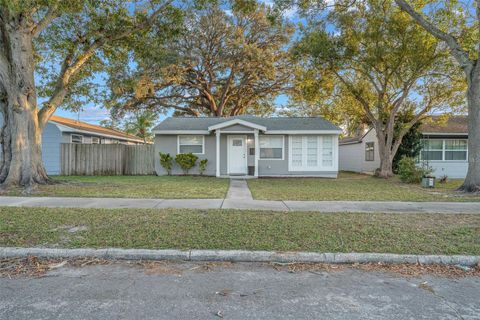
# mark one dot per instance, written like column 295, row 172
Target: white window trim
column 271, row 159
column 237, row 121
column 443, row 150
column 463, row 150
column 189, row 135
column 99, row 140
column 78, row 135
column 320, row 166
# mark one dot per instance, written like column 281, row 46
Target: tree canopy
column 380, row 63
column 225, row 62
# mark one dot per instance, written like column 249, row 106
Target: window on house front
column 76, row 138
column 271, row 147
column 95, row 140
column 432, row 149
column 455, row 149
column 444, row 150
column 369, row 151
column 310, row 153
column 190, row 144
column 327, row 151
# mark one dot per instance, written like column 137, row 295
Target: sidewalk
column 316, row 206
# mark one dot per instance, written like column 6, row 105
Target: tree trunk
column 21, row 163
column 385, row 153
column 472, row 180
column 386, row 165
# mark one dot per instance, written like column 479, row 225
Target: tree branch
column 51, row 14
column 69, row 69
column 458, row 52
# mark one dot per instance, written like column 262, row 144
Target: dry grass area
column 240, row 230
column 153, row 187
column 354, row 187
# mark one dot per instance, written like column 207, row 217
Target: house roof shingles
column 79, row 125
column 273, row 123
column 437, row 125
column 453, row 124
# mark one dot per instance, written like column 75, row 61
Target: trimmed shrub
column 166, row 161
column 202, row 165
column 186, row 161
column 410, row 172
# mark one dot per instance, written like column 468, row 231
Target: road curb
column 237, row 256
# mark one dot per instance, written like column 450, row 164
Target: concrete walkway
column 317, row 206
column 238, row 190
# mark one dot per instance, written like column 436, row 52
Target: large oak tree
column 64, row 43
column 229, row 60
column 457, row 24
column 383, row 64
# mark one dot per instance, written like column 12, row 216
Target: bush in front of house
column 166, row 161
column 202, row 165
column 186, row 161
column 410, row 172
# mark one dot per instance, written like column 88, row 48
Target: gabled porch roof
column 239, row 122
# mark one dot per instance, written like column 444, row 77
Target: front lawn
column 235, row 229
column 353, row 186
column 167, row 187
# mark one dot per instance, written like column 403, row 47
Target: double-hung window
column 311, row 153
column 369, row 151
column 191, row 144
column 456, row 149
column 432, row 149
column 271, row 147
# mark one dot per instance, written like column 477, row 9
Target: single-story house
column 444, row 148
column 252, row 146
column 62, row 130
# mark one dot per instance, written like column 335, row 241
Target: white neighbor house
column 445, row 148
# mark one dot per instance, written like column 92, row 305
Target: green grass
column 234, row 229
column 168, row 187
column 352, row 186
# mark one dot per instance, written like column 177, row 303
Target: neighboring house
column 360, row 153
column 444, row 148
column 62, row 130
column 254, row 146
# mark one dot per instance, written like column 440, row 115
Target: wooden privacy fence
column 106, row 159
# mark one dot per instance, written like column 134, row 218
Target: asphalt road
column 239, row 291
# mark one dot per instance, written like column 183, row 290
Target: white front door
column 237, row 155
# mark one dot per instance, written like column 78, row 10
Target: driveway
column 238, row 291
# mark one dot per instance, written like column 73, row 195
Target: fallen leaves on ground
column 404, row 269
column 38, row 267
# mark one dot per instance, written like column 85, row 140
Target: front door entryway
column 237, row 155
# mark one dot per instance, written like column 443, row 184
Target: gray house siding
column 279, row 168
column 51, row 139
column 169, row 144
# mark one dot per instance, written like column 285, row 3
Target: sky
column 95, row 113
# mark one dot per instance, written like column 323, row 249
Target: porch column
column 257, row 152
column 217, row 133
